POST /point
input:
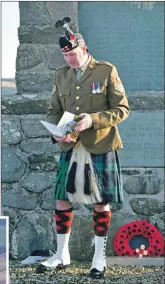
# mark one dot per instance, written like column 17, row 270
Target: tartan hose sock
column 63, row 220
column 101, row 222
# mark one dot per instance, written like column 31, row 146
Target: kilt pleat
column 107, row 169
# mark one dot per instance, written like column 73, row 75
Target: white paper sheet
column 67, row 118
column 63, row 126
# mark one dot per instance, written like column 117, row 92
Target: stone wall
column 29, row 159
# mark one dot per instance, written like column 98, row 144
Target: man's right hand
column 64, row 139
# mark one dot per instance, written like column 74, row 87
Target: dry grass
column 77, row 274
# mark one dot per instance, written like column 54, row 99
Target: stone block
column 34, row 231
column 34, row 13
column 20, row 199
column 46, row 13
column 34, row 82
column 48, row 199
column 29, row 56
column 32, row 127
column 47, row 166
column 25, row 103
column 159, row 220
column 11, row 214
column 144, row 184
column 46, row 34
column 38, row 182
column 39, row 146
column 143, row 139
column 38, row 57
column 58, row 9
column 37, row 158
column 11, row 130
column 13, row 167
column 81, row 238
column 43, row 162
column 147, row 206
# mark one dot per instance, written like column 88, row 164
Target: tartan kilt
column 107, row 169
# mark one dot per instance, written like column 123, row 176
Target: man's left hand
column 84, row 123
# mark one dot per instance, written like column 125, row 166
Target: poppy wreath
column 138, row 228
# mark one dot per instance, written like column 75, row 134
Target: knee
column 63, row 205
column 101, row 207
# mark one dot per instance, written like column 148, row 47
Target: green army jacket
column 107, row 109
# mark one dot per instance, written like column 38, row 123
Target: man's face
column 75, row 58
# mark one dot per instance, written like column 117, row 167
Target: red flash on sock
column 63, row 220
column 101, row 222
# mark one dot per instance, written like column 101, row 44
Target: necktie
column 78, row 74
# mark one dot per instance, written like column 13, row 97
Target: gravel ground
column 76, row 274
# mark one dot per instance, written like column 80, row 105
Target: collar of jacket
column 92, row 63
column 87, row 72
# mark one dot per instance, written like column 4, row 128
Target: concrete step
column 127, row 261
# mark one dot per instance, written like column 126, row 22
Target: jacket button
column 77, row 98
column 78, row 87
column 77, row 108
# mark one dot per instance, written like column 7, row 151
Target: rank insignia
column 118, row 86
column 54, row 88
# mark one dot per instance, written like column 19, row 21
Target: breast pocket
column 99, row 101
column 65, row 99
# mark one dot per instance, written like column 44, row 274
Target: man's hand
column 65, row 139
column 84, row 123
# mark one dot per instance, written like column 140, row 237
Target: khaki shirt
column 84, row 67
column 107, row 109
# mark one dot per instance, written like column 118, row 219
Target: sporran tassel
column 81, row 184
column 70, row 185
column 87, row 183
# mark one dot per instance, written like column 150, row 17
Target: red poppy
column 72, row 37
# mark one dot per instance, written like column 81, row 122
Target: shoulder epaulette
column 104, row 63
column 62, row 67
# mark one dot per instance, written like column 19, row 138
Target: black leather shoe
column 42, row 268
column 96, row 274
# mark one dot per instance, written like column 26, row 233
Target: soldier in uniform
column 89, row 168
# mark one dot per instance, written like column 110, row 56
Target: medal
column 93, row 89
column 98, row 88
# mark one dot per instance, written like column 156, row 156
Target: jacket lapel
column 88, row 71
